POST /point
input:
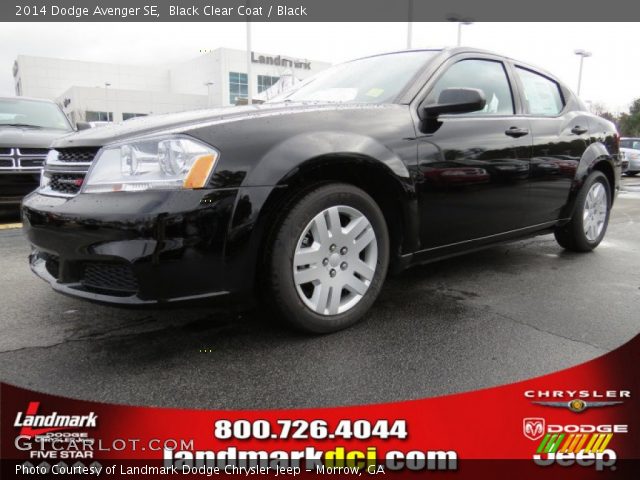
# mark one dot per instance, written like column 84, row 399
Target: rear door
column 560, row 137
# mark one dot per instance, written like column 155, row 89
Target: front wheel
column 590, row 218
column 329, row 258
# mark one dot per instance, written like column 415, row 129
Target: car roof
column 451, row 51
column 27, row 99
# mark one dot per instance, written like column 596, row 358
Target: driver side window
column 486, row 75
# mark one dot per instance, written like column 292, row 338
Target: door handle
column 578, row 130
column 516, row 132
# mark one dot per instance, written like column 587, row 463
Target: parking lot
column 501, row 315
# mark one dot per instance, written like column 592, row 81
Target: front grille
column 67, row 183
column 31, row 162
column 109, row 277
column 67, row 171
column 33, row 151
column 19, row 159
column 77, row 154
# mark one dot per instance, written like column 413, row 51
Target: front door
column 473, row 169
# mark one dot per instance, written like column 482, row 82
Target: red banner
column 577, row 423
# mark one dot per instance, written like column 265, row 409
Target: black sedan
column 309, row 200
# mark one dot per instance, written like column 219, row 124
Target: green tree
column 600, row 109
column 629, row 123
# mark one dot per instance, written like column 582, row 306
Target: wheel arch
column 393, row 194
column 306, row 160
column 595, row 158
column 278, row 163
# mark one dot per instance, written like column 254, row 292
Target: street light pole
column 410, row 25
column 460, row 24
column 249, row 82
column 106, row 99
column 582, row 54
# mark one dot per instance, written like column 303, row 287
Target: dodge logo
column 533, row 428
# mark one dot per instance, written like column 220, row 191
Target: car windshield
column 378, row 79
column 32, row 114
column 633, row 143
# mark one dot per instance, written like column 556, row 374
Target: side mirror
column 456, row 100
column 83, row 125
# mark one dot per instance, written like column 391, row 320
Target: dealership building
column 94, row 91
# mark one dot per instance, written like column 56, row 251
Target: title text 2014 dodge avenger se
column 309, row 200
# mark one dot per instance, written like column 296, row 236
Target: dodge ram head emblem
column 533, row 428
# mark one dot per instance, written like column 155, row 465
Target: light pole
column 249, row 82
column 410, row 25
column 106, row 98
column 460, row 24
column 209, row 85
column 582, row 54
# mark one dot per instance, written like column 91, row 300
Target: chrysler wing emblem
column 577, row 405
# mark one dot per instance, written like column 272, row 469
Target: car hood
column 630, row 151
column 184, row 121
column 25, row 137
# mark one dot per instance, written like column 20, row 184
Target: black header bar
column 317, row 10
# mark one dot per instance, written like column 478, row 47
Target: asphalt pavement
column 501, row 315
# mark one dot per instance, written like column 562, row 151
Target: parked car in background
column 624, row 163
column 311, row 198
column 27, row 128
column 630, row 148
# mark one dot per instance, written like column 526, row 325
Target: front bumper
column 132, row 248
column 634, row 165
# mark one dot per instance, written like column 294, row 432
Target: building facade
column 93, row 91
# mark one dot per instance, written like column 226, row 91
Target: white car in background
column 630, row 148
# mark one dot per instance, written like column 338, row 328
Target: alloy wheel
column 335, row 260
column 594, row 214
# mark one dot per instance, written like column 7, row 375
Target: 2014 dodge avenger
column 307, row 201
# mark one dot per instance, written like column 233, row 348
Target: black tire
column 282, row 291
column 571, row 236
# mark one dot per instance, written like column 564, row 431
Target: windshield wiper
column 27, row 125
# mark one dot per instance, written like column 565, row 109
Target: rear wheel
column 328, row 259
column 590, row 219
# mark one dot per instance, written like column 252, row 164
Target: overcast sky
column 611, row 76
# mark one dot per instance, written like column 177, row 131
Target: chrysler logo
column 533, row 428
column 577, row 405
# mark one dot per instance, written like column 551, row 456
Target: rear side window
column 541, row 95
column 486, row 75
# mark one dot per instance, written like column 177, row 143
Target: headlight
column 158, row 163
